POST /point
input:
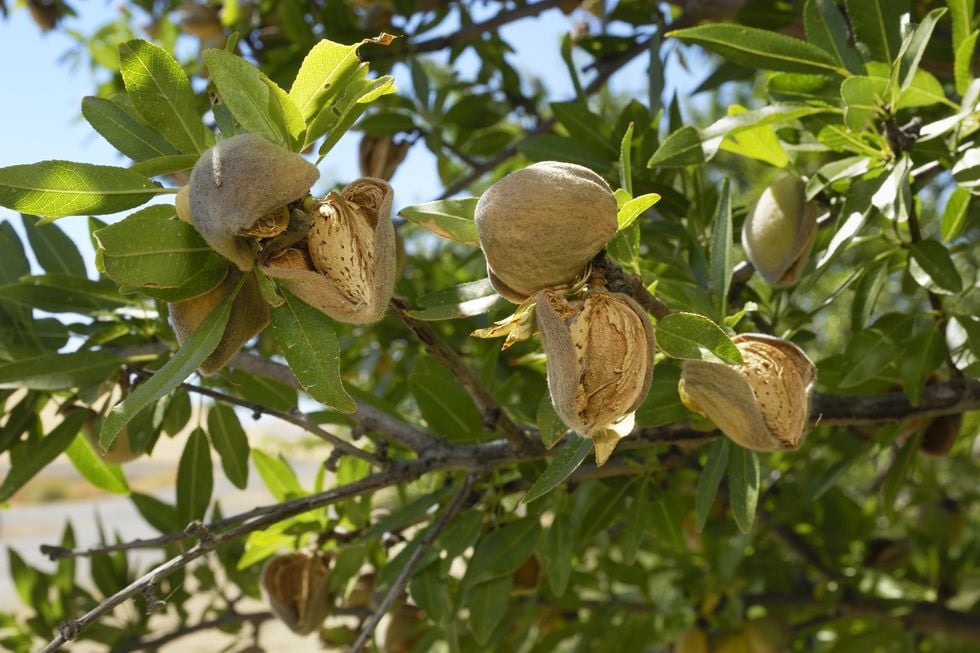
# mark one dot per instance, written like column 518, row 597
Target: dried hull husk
column 346, row 266
column 762, row 404
column 298, row 590
column 239, row 182
column 600, row 358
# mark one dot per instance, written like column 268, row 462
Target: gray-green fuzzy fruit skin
column 238, row 181
column 779, row 233
column 539, row 227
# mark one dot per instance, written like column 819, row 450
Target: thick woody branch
column 494, row 417
column 406, row 573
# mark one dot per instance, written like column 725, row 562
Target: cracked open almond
column 239, row 190
column 539, row 227
column 600, row 362
column 346, row 265
column 762, row 404
column 298, row 589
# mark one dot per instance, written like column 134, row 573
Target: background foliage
column 857, row 541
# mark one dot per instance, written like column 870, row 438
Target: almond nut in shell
column 297, row 587
column 779, row 232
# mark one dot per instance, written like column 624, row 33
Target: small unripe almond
column 349, row 273
column 762, row 404
column 120, row 451
column 249, row 315
column 298, row 589
column 240, row 182
column 779, row 233
column 600, row 361
column 539, row 227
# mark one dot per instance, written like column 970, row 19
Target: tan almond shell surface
column 600, row 357
column 249, row 316
column 779, row 232
column 297, row 587
column 238, row 182
column 539, row 227
column 762, row 404
column 352, row 254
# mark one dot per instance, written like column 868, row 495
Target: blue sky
column 41, row 117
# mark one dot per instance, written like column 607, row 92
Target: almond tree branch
column 406, row 573
column 296, row 418
column 493, row 414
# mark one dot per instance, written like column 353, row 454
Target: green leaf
column 693, row 336
column 54, row 189
column 446, row 407
column 153, row 249
column 963, row 63
column 54, row 250
column 406, row 515
column 625, row 165
column 430, row 591
column 465, row 300
column 452, row 219
column 56, row 293
column 162, row 94
column 908, row 65
column 552, row 147
column 59, row 371
column 715, row 134
column 187, row 359
column 681, row 148
column 930, row 261
column 322, row 76
column 164, row 165
column 569, row 457
column 898, row 472
column 710, row 479
column 743, row 486
column 636, row 523
column 870, row 352
column 862, row 98
column 585, row 127
column 503, row 551
column 866, row 292
column 161, row 516
column 340, row 117
column 42, row 452
column 195, row 479
column 231, row 443
column 558, row 547
column 876, row 24
column 923, row 354
column 128, row 134
column 758, row 142
column 95, row 470
column 722, row 258
column 966, row 171
column 278, row 477
column 247, row 94
column 961, row 16
column 488, row 603
column 634, row 208
column 307, row 339
column 550, row 426
column 954, row 215
column 826, row 27
column 758, row 48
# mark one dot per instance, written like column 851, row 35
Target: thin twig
column 406, row 573
column 297, row 419
column 467, row 33
column 494, row 417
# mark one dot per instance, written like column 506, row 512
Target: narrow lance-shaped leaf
column 681, row 148
column 743, row 486
column 758, row 48
column 452, row 219
column 310, row 346
column 909, row 63
column 692, row 336
column 195, row 478
column 877, row 24
column 569, row 457
column 126, row 133
column 41, row 453
column 710, row 480
column 54, row 189
column 721, row 249
column 229, row 440
column 58, row 371
column 54, row 250
column 161, row 92
column 827, row 28
column 933, row 260
column 625, row 165
column 187, row 359
column 95, row 470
